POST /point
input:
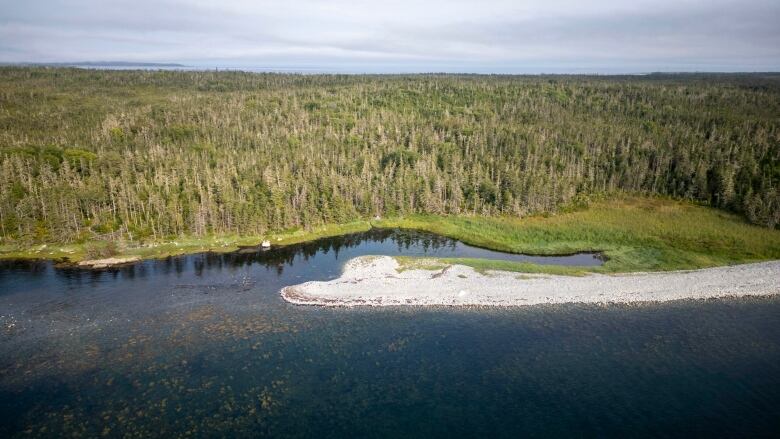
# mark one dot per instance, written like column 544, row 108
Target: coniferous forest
column 88, row 154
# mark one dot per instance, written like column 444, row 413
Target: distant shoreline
column 381, row 281
column 95, row 64
column 333, row 70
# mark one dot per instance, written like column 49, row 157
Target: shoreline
column 377, row 281
column 632, row 233
column 74, row 254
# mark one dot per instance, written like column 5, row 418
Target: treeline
column 88, row 154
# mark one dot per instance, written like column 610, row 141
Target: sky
column 484, row 36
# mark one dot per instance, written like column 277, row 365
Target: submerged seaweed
column 204, row 346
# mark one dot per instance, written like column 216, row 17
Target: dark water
column 203, row 346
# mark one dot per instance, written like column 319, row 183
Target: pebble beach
column 377, row 281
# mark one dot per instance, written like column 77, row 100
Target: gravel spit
column 375, row 281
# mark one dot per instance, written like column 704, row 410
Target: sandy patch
column 375, row 281
column 108, row 262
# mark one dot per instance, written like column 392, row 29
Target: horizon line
column 129, row 65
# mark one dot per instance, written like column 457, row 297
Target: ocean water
column 203, row 346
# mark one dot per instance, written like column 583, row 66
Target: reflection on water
column 202, row 345
column 342, row 248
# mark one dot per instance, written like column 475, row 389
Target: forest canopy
column 87, row 154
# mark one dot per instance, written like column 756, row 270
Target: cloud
column 404, row 35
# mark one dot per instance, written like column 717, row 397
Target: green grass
column 418, row 263
column 483, row 265
column 635, row 233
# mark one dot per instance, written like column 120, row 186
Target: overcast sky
column 512, row 36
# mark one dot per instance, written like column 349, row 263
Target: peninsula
column 382, row 281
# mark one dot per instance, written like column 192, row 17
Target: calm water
column 203, row 345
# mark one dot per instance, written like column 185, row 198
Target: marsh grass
column 483, row 266
column 416, row 263
column 634, row 234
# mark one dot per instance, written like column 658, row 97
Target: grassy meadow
column 634, row 233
